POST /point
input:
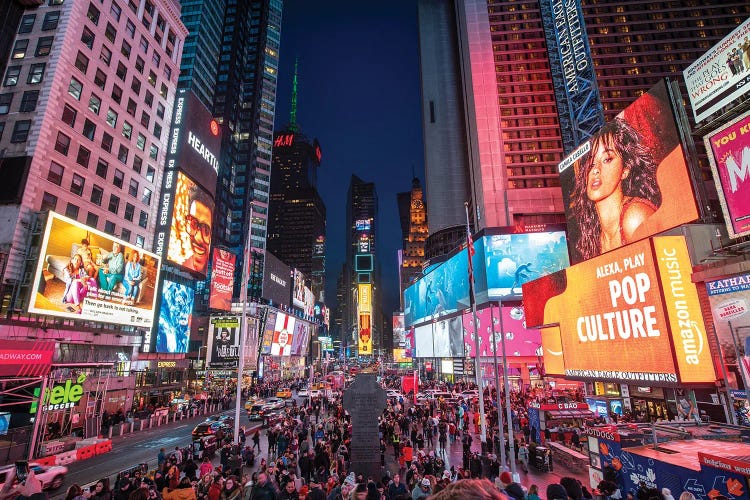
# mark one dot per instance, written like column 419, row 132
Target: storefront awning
column 570, row 414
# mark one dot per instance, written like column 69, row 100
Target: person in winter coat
column 184, row 491
column 264, row 489
column 232, row 489
column 511, row 488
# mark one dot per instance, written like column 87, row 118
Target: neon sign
column 60, row 397
column 283, row 140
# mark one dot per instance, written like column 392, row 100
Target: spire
column 293, row 112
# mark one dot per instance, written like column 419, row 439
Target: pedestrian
column 256, row 439
column 183, row 491
column 161, row 457
column 523, row 456
column 533, row 493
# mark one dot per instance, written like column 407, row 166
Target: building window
column 28, row 101
column 2, row 129
column 116, row 94
column 96, row 195
column 125, row 49
column 92, row 220
column 19, row 49
column 145, row 119
column 36, row 73
column 105, row 55
column 137, row 163
column 125, row 235
column 93, row 14
column 163, row 91
column 77, row 184
column 149, row 98
column 50, row 20
column 115, row 10
column 11, row 76
column 157, row 130
column 122, row 71
column 44, row 46
column 167, row 72
column 111, row 117
column 55, row 2
column 140, row 241
column 160, row 110
column 146, row 196
column 100, row 79
column 55, row 174
column 89, row 129
column 119, row 178
column 140, row 143
column 109, row 227
column 153, row 152
column 136, row 85
column 133, row 188
column 127, row 130
column 139, row 64
column 101, row 168
column 75, row 88
column 95, row 103
column 156, row 59
column 49, row 201
column 82, row 62
column 20, row 131
column 27, row 23
column 62, row 144
column 71, row 211
column 130, row 28
column 152, row 79
column 131, row 108
column 144, row 45
column 88, row 37
column 133, row 4
column 83, row 156
column 110, row 33
column 129, row 212
column 5, row 102
column 107, row 142
column 150, row 172
column 114, row 203
column 69, row 115
column 122, row 154
column 143, row 219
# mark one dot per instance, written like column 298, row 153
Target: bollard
column 143, row 422
column 122, row 428
column 109, row 434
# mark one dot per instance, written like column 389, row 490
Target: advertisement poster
column 365, row 335
column 86, row 274
column 399, row 334
column 423, row 347
column 730, row 307
column 277, row 281
column 441, row 339
column 399, row 356
column 283, row 333
column 303, row 297
column 519, row 341
column 25, row 359
column 721, row 75
column 175, row 314
column 223, row 341
column 190, row 231
column 267, row 340
column 632, row 175
column 222, row 280
column 301, row 338
column 729, row 155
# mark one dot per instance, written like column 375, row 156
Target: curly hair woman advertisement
column 629, row 181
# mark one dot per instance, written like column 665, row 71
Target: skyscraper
column 413, row 214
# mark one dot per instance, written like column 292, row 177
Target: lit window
column 95, row 103
column 36, row 73
column 19, row 49
column 11, row 76
column 44, row 46
column 75, row 88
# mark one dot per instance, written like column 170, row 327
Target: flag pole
column 477, row 363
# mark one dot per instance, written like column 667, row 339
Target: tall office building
column 85, row 110
column 495, row 91
column 414, row 230
column 297, row 214
column 245, row 103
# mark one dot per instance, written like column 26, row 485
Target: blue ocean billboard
column 175, row 315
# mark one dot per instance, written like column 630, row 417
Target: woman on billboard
column 615, row 189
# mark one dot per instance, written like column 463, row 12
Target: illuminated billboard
column 572, row 68
column 267, row 339
column 441, row 339
column 191, row 226
column 363, row 263
column 423, row 346
column 283, row 334
column 399, row 335
column 399, row 356
column 629, row 181
column 519, row 340
column 729, row 154
column 730, row 304
column 364, row 298
column 223, row 341
column 175, row 315
column 222, row 280
column 630, row 315
column 303, row 297
column 362, row 224
column 721, row 75
column 364, row 341
column 301, row 338
column 86, row 274
column 277, row 281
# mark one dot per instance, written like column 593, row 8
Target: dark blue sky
column 358, row 93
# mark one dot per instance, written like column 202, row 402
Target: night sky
column 358, row 93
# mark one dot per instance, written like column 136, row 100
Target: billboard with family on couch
column 86, row 274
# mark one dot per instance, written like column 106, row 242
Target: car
column 303, row 393
column 255, row 412
column 213, row 424
column 315, row 393
column 250, row 402
column 284, row 393
column 393, row 394
column 272, row 418
column 51, row 476
column 273, row 404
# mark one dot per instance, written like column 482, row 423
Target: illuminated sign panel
column 25, row 359
column 362, row 224
column 399, row 333
column 613, row 321
column 277, row 281
column 301, row 338
column 303, row 297
column 222, row 280
column 646, row 169
column 363, row 263
column 223, row 341
column 175, row 315
column 365, row 334
column 99, row 281
column 364, row 302
column 283, row 334
column 283, row 140
column 729, row 155
column 519, row 340
column 399, row 356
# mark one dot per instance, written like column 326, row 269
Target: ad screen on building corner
column 632, row 175
column 222, row 280
column 191, row 226
column 175, row 315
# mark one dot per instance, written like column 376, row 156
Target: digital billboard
column 364, row 298
column 423, row 341
column 447, row 338
column 283, row 334
column 573, row 75
column 26, row 359
column 175, row 315
column 629, row 181
column 301, row 338
column 721, row 75
column 267, row 339
column 86, row 274
column 729, row 154
column 277, row 281
column 223, row 341
column 399, row 334
column 364, row 263
column 190, row 229
column 400, row 356
column 222, row 279
column 629, row 315
column 303, row 297
column 364, row 341
column 519, row 340
column 730, row 304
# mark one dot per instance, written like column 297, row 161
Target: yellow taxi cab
column 284, row 392
column 251, row 401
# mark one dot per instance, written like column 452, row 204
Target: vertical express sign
column 578, row 105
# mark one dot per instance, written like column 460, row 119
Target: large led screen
column 283, row 335
column 629, row 181
column 630, row 315
column 277, row 281
column 192, row 222
column 303, row 297
column 730, row 305
column 223, row 341
column 399, row 334
column 175, row 315
column 86, row 274
column 364, row 342
column 423, row 341
column 267, row 339
column 222, row 280
column 301, row 338
column 448, row 338
column 729, row 155
column 519, row 340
